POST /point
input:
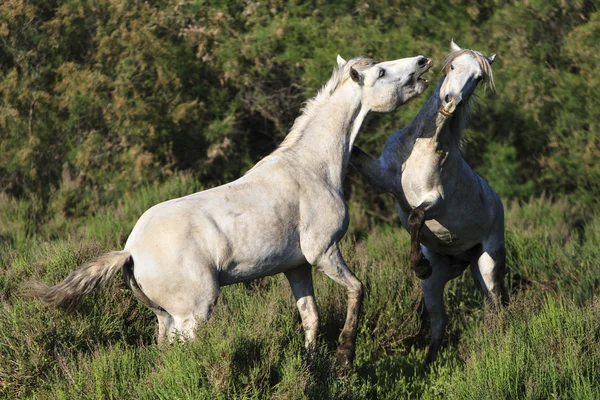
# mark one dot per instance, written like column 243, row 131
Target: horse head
column 386, row 85
column 464, row 70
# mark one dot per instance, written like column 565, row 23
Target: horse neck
column 327, row 139
column 426, row 123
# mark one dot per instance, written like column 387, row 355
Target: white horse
column 453, row 216
column 285, row 215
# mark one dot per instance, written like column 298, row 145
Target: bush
column 101, row 97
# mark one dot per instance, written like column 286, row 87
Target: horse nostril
column 422, row 61
column 447, row 98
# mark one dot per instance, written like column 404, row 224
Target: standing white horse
column 285, row 215
column 453, row 216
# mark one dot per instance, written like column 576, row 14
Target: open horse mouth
column 445, row 113
column 426, row 66
column 421, row 83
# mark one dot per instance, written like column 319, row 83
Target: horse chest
column 422, row 173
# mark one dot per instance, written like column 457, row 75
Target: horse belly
column 266, row 261
column 447, row 239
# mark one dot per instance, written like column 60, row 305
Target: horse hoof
column 343, row 369
column 424, row 273
column 344, row 361
column 310, row 354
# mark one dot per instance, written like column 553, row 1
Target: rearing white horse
column 453, row 216
column 285, row 215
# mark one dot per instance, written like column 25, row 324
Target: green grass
column 543, row 345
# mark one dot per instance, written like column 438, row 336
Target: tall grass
column 544, row 345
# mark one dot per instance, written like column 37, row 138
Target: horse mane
column 341, row 74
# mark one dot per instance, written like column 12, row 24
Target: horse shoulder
column 493, row 202
column 477, row 195
column 323, row 219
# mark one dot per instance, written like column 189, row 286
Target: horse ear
column 454, row 46
column 340, row 60
column 355, row 75
column 491, row 58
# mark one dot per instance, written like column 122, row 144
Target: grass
column 543, row 345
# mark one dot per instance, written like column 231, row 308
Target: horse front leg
column 416, row 219
column 302, row 287
column 332, row 264
column 371, row 169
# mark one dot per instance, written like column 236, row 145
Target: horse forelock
column 486, row 68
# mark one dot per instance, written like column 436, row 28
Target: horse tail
column 132, row 283
column 81, row 282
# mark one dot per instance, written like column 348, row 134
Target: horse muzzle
column 445, row 113
column 449, row 105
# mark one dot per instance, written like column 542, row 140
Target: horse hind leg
column 489, row 269
column 165, row 320
column 433, row 296
column 302, row 287
column 180, row 316
column 165, row 323
column 445, row 268
column 187, row 319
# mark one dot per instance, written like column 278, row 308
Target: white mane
column 341, row 74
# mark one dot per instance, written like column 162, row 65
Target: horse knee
column 356, row 290
column 416, row 216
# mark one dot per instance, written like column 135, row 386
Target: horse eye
column 381, row 72
column 451, row 66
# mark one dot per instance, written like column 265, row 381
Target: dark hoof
column 425, row 367
column 424, row 273
column 430, row 359
column 345, row 358
column 423, row 268
column 310, row 354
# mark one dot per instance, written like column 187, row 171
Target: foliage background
column 108, row 106
column 100, row 97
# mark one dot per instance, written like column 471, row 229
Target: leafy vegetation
column 544, row 344
column 110, row 106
